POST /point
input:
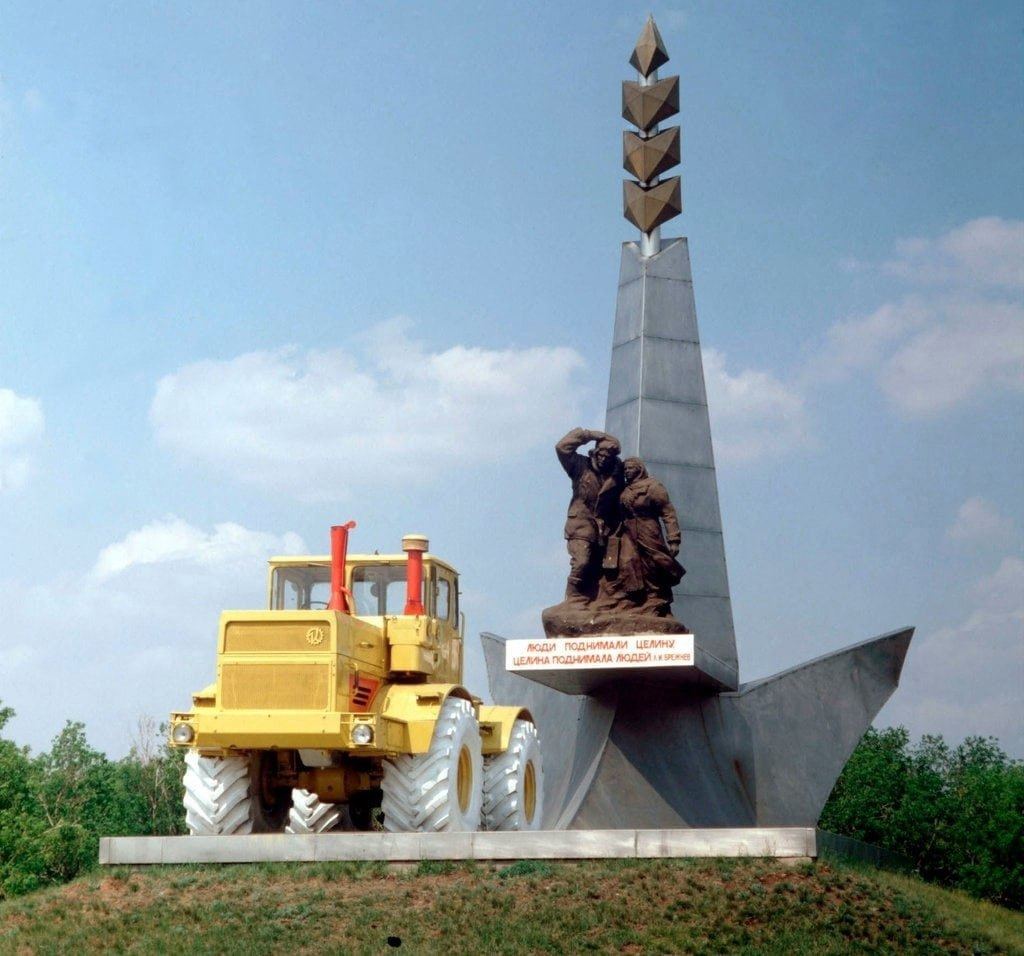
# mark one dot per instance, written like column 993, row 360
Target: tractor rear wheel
column 440, row 789
column 513, row 796
column 309, row 814
column 232, row 795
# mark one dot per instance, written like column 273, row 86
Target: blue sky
column 266, row 267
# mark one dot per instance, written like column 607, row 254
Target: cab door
column 443, row 596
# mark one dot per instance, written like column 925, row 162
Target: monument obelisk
column 657, row 402
column 686, row 746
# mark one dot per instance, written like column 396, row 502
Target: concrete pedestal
column 584, row 665
column 635, row 754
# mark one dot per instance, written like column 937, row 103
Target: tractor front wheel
column 231, row 795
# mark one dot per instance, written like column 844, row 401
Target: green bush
column 957, row 813
column 55, row 807
column 65, row 850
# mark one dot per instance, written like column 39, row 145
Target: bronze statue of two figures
column 623, row 537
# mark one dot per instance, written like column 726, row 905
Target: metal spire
column 648, row 201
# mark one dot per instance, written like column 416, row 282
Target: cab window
column 444, row 599
column 376, row 589
column 379, row 589
column 300, row 589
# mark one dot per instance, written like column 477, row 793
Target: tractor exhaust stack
column 414, row 545
column 341, row 597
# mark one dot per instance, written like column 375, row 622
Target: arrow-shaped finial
column 649, row 52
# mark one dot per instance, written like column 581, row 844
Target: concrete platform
column 775, row 842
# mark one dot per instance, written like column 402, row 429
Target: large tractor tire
column 309, row 814
column 217, row 795
column 440, row 789
column 513, row 797
column 228, row 795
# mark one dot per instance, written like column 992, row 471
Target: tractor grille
column 270, row 636
column 278, row 686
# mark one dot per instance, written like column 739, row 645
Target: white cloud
column 980, row 520
column 754, row 414
column 133, row 636
column 21, row 428
column 320, row 424
column 935, row 348
column 171, row 539
column 967, row 679
column 1002, row 594
column 987, row 252
column 855, row 344
column 970, row 346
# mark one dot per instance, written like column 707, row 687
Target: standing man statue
column 597, row 481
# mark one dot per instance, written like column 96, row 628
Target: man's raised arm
column 566, row 448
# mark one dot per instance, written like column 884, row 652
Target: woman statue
column 648, row 568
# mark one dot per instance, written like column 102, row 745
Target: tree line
column 957, row 813
column 54, row 807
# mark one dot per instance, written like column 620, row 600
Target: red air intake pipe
column 414, row 545
column 341, row 597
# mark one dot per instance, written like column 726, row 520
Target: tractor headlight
column 362, row 734
column 183, row 734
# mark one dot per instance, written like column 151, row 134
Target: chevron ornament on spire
column 649, row 201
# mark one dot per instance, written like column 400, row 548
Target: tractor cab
column 412, row 598
column 377, row 583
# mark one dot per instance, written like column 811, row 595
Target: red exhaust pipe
column 341, row 597
column 414, row 545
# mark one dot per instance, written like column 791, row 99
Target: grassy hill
column 679, row 906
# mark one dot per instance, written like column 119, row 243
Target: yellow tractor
column 342, row 706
